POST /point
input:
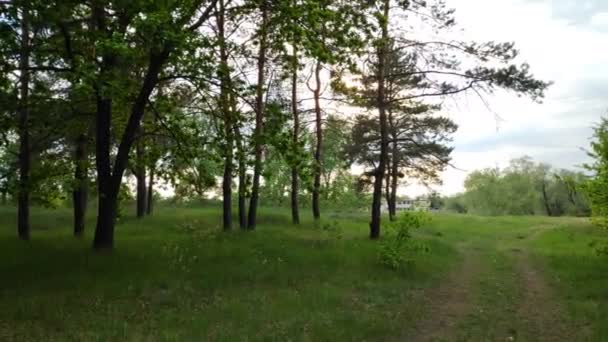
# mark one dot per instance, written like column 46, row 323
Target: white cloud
column 575, row 57
column 600, row 21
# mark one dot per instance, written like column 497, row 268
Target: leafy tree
column 525, row 188
column 597, row 187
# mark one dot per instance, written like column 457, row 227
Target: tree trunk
column 106, row 219
column 242, row 176
column 316, row 189
column 394, row 178
column 295, row 182
column 226, row 112
column 106, row 210
column 394, row 169
column 140, row 175
column 381, row 103
column 546, row 198
column 109, row 179
column 387, row 193
column 23, row 211
column 150, row 196
column 259, row 124
column 80, row 192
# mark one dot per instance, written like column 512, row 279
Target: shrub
column 398, row 250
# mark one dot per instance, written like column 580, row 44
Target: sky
column 564, row 41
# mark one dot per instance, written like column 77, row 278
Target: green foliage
column 456, row 204
column 398, row 250
column 523, row 188
column 597, row 187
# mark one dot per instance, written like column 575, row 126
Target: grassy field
column 176, row 277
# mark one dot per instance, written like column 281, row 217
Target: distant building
column 420, row 204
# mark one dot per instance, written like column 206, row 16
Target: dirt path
column 486, row 300
column 449, row 302
column 540, row 312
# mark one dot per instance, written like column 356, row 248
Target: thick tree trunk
column 106, row 210
column 140, row 175
column 23, row 210
column 109, row 179
column 295, row 172
column 316, row 189
column 226, row 112
column 374, row 226
column 106, row 219
column 150, row 196
column 259, row 122
column 80, row 192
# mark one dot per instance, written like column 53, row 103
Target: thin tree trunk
column 295, row 182
column 316, row 190
column 140, row 175
column 387, row 193
column 546, row 198
column 394, row 169
column 242, row 190
column 381, row 103
column 226, row 112
column 150, row 196
column 80, row 192
column 23, row 211
column 394, row 178
column 259, row 117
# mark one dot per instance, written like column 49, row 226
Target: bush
column 398, row 250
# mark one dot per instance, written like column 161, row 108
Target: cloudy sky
column 564, row 41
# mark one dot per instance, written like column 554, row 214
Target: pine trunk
column 23, row 210
column 80, row 192
column 259, row 117
column 387, row 193
column 316, row 190
column 394, row 170
column 381, row 103
column 394, row 177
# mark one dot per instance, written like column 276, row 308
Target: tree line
column 189, row 91
column 524, row 187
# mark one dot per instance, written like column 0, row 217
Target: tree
column 597, row 186
column 23, row 216
column 444, row 76
column 525, row 188
column 259, row 114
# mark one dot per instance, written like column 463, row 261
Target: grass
column 176, row 277
column 578, row 272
